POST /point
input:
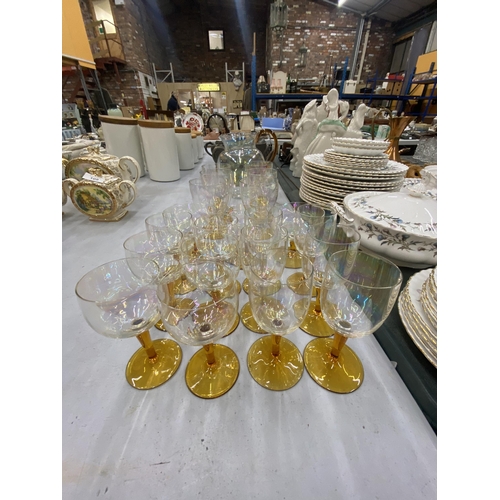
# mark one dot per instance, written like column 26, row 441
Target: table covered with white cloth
column 166, row 443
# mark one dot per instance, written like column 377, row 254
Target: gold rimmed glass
column 119, row 300
column 275, row 362
column 357, row 294
column 201, row 318
column 318, row 246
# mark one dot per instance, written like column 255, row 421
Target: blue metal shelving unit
column 403, row 97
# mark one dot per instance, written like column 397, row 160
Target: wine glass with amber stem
column 357, row 294
column 308, row 220
column 119, row 300
column 159, row 245
column 200, row 318
column 214, row 239
column 289, row 211
column 318, row 245
column 255, row 240
column 275, row 362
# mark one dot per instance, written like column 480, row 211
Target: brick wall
column 182, row 39
column 329, row 34
column 187, row 40
column 142, row 46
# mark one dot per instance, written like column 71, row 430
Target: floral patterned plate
column 193, row 121
column 397, row 225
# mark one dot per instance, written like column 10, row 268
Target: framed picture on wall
column 216, row 39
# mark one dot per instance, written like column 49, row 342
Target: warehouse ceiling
column 389, row 10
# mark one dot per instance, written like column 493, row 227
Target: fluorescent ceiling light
column 341, row 2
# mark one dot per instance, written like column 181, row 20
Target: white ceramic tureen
column 397, row 225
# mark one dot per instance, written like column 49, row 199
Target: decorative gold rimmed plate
column 393, row 169
column 417, row 325
column 368, row 184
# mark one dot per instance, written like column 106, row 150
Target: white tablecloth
column 304, row 443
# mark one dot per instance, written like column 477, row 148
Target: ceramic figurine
column 357, row 121
column 100, row 196
column 333, row 104
column 322, row 111
column 344, row 110
column 304, row 134
column 327, row 130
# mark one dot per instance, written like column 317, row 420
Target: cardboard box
column 394, row 88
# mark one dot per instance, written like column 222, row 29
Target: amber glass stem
column 145, row 340
column 293, row 248
column 317, row 304
column 209, row 349
column 338, row 343
column 275, row 349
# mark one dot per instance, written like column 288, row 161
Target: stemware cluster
column 302, row 271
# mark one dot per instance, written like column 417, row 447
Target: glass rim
column 148, row 239
column 124, row 259
column 372, row 287
column 357, row 240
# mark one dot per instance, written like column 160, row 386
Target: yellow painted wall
column 75, row 43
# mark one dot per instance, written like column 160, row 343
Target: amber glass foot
column 143, row 372
column 298, row 284
column 159, row 326
column 246, row 284
column 293, row 260
column 235, row 325
column 314, row 323
column 209, row 381
column 275, row 372
column 342, row 374
column 182, row 286
column 248, row 320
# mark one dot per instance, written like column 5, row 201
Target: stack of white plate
column 356, row 161
column 417, row 306
column 359, row 147
column 322, row 181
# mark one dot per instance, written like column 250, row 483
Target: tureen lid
column 396, row 211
